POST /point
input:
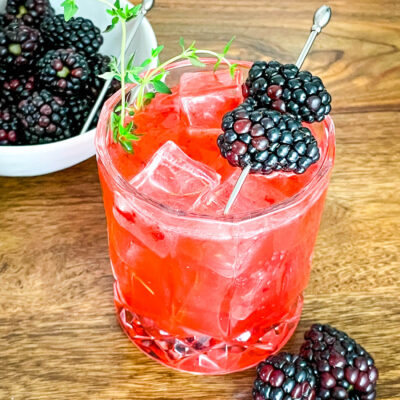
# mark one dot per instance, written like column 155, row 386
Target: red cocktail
column 194, row 289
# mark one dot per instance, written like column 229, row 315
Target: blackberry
column 79, row 33
column 286, row 89
column 20, row 46
column 10, row 132
column 79, row 110
column 284, row 376
column 3, row 75
column 99, row 64
column 16, row 89
column 3, row 21
column 30, row 12
column 45, row 119
column 267, row 140
column 345, row 369
column 63, row 71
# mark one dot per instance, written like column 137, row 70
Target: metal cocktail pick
column 147, row 5
column 321, row 19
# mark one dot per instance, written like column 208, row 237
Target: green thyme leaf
column 131, row 136
column 232, row 70
column 132, row 12
column 157, row 51
column 123, row 130
column 149, row 95
column 158, row 77
column 182, row 43
column 191, row 47
column 129, row 127
column 107, row 75
column 228, row 46
column 135, row 10
column 196, row 62
column 127, row 145
column 218, row 63
column 114, row 63
column 70, row 9
column 161, row 87
column 135, row 78
column 113, row 24
column 146, row 62
column 129, row 66
column 137, row 70
column 114, row 125
column 129, row 78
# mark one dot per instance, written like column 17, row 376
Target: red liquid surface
column 201, row 294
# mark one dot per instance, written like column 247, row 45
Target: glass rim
column 312, row 184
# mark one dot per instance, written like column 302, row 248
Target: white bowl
column 43, row 159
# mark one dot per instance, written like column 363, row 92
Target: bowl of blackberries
column 49, row 81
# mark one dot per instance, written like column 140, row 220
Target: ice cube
column 257, row 193
column 174, row 179
column 146, row 232
column 205, row 97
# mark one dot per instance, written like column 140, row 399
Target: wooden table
column 59, row 338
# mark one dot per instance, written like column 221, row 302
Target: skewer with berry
column 264, row 134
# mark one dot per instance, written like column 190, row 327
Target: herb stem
column 184, row 55
column 147, row 78
column 123, row 91
column 212, row 53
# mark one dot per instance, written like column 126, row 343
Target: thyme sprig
column 153, row 80
column 149, row 82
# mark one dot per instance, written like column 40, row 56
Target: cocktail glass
column 209, row 294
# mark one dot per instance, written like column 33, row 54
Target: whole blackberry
column 286, row 89
column 284, row 376
column 345, row 369
column 267, row 140
column 99, row 64
column 63, row 71
column 45, row 119
column 30, row 12
column 20, row 46
column 16, row 89
column 10, row 132
column 79, row 33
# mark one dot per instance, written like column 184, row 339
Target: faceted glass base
column 200, row 354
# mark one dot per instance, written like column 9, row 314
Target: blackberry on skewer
column 275, row 101
column 286, row 89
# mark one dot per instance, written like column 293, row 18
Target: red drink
column 194, row 289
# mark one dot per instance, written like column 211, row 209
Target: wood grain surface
column 59, row 338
